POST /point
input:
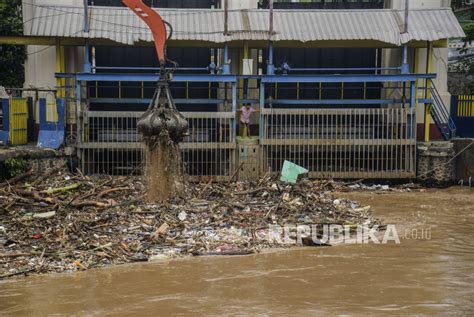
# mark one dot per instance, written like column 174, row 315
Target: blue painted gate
column 462, row 112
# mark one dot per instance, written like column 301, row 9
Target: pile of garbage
column 363, row 185
column 59, row 221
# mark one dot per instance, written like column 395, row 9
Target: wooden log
column 36, row 196
column 111, row 190
column 13, row 255
column 18, row 178
column 61, row 189
column 90, row 203
column 161, row 230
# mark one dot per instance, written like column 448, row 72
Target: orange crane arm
column 154, row 22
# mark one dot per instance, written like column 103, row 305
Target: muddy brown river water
column 431, row 272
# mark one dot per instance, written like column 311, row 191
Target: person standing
column 246, row 111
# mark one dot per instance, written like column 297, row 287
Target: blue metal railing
column 338, row 69
column 441, row 115
column 154, row 69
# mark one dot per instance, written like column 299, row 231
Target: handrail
column 443, row 109
column 441, row 115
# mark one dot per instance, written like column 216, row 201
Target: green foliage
column 457, row 3
column 13, row 167
column 12, row 57
column 469, row 30
column 462, row 71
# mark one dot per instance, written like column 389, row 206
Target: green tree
column 462, row 71
column 12, row 57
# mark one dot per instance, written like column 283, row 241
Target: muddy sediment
column 163, row 169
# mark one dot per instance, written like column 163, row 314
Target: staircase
column 441, row 116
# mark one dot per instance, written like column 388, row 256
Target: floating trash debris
column 69, row 222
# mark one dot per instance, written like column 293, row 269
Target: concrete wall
column 41, row 60
column 40, row 65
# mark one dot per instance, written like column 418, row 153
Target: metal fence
column 340, row 143
column 462, row 112
column 465, row 106
column 210, row 148
column 15, row 115
column 108, row 142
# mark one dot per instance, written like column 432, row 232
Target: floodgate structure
column 345, row 89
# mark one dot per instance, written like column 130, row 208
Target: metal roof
column 121, row 25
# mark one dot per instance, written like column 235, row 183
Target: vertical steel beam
column 429, row 67
column 270, row 66
column 79, row 139
column 226, row 17
column 58, row 68
column 93, row 58
column 243, row 55
column 416, row 70
column 411, row 123
column 404, row 68
column 87, row 63
column 86, row 16
column 234, row 109
column 246, row 50
column 60, row 65
column 262, row 107
column 226, row 66
column 270, row 29
column 244, row 82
